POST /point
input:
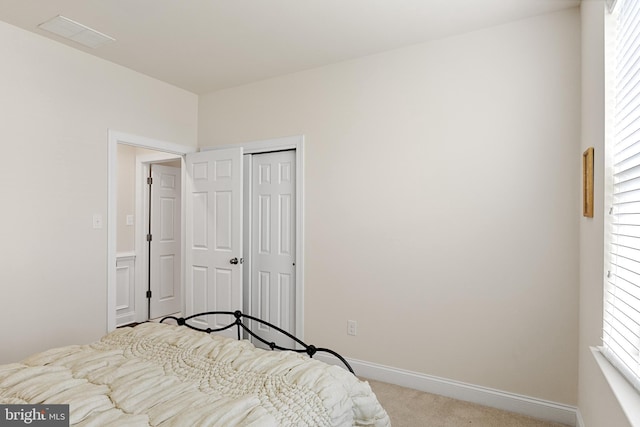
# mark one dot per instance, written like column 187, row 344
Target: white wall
column 442, row 208
column 596, row 402
column 56, row 106
column 126, row 203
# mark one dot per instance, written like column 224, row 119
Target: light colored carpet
column 412, row 408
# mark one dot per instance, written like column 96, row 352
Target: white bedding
column 164, row 375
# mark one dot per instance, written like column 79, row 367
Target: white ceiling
column 206, row 45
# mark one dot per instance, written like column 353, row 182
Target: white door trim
column 115, row 138
column 296, row 143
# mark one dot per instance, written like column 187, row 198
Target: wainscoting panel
column 125, row 289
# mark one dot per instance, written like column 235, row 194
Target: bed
column 158, row 374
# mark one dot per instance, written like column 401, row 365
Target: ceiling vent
column 75, row 31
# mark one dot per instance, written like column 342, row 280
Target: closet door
column 273, row 271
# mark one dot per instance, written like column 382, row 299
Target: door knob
column 235, row 261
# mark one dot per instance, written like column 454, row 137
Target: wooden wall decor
column 587, row 183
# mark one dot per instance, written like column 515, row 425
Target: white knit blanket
column 164, row 375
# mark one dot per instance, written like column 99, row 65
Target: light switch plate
column 97, row 221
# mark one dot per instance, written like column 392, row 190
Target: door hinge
column 149, row 294
column 149, row 237
column 149, row 180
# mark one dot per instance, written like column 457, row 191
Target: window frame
column 611, row 26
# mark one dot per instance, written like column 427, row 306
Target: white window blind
column 621, row 326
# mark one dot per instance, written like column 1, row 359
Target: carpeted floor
column 412, row 408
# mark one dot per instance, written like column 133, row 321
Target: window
column 621, row 325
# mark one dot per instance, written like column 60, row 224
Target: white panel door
column 273, row 243
column 165, row 256
column 214, row 235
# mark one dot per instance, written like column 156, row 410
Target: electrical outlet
column 352, row 327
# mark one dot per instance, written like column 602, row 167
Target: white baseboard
column 579, row 420
column 533, row 407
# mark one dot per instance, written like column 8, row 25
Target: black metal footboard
column 306, row 348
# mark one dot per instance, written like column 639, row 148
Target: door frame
column 114, row 138
column 296, row 143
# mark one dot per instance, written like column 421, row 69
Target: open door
column 213, row 255
column 165, row 287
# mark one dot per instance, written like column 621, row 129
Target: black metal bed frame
column 311, row 350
